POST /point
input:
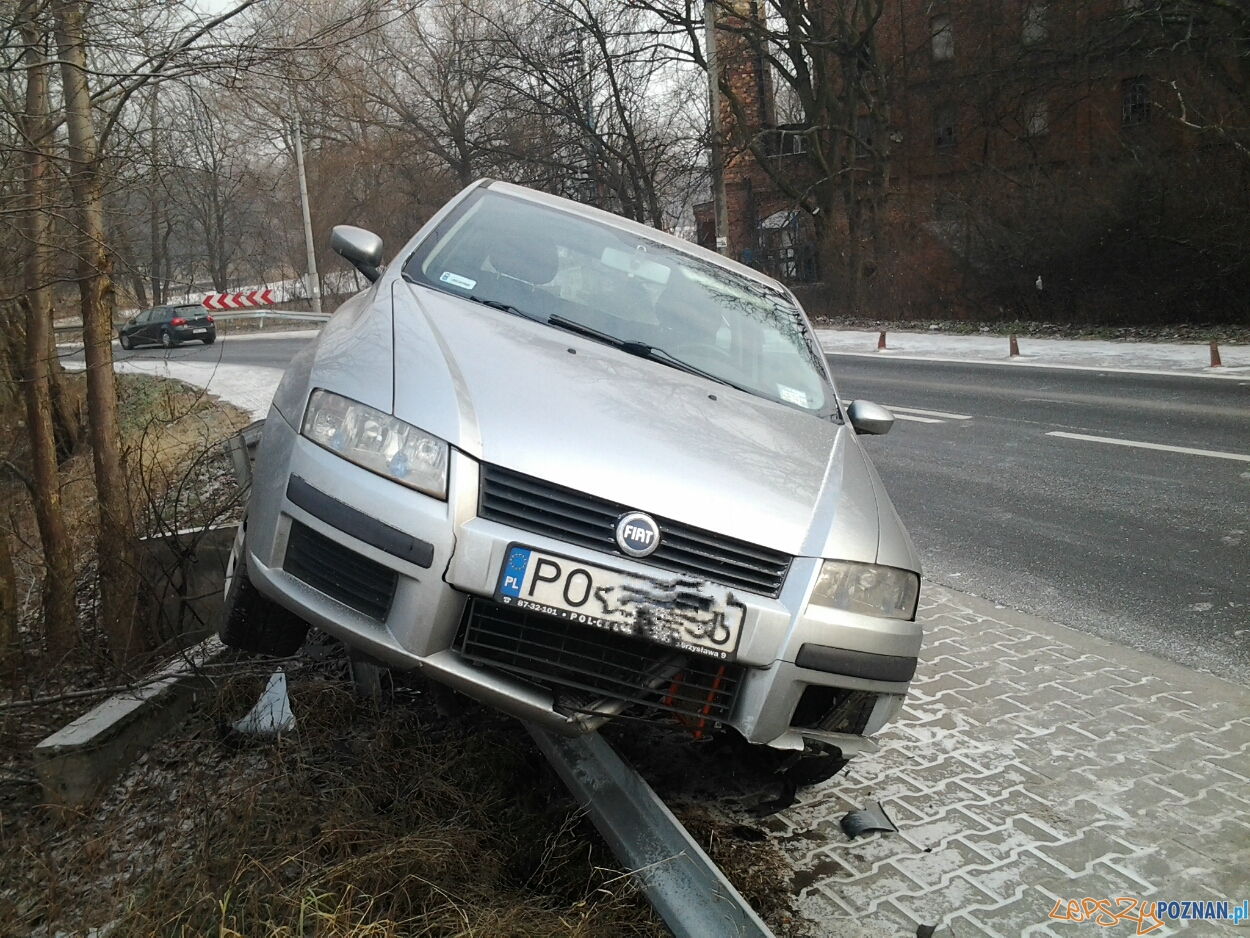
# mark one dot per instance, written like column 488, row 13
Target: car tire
column 167, row 340
column 125, row 343
column 250, row 621
column 210, row 340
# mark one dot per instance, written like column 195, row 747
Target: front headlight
column 867, row 589
column 377, row 442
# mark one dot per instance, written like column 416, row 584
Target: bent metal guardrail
column 689, row 891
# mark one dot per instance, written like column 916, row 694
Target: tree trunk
column 67, row 405
column 115, row 541
column 59, row 612
column 8, row 605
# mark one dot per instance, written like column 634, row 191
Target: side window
column 1135, row 93
column 944, row 128
column 942, row 39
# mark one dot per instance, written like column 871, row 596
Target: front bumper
column 460, row 556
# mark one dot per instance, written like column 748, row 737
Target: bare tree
column 211, row 178
column 827, row 59
column 115, row 547
column 431, row 75
column 45, row 485
column 605, row 110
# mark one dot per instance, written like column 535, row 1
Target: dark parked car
column 169, row 326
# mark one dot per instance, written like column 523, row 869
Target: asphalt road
column 247, row 349
column 1146, row 547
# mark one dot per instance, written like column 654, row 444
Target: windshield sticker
column 464, row 283
column 792, row 395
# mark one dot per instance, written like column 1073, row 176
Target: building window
column 1034, row 29
column 1036, row 117
column 943, row 39
column 944, row 128
column 1136, row 96
column 865, row 133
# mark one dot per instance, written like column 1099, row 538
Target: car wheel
column 167, row 340
column 210, row 340
column 251, row 622
column 124, row 341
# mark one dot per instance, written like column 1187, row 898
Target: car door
column 156, row 322
column 135, row 329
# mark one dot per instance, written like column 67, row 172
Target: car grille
column 339, row 572
column 595, row 664
column 533, row 505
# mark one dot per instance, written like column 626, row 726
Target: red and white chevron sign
column 222, row 301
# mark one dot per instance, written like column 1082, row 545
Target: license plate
column 693, row 615
column 198, row 331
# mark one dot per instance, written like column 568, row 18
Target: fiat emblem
column 637, row 534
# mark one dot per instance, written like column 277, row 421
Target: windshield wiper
column 660, row 355
column 572, row 325
column 641, row 349
column 503, row 307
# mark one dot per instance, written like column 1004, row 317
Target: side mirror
column 867, row 417
column 361, row 248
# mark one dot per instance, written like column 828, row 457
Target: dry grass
column 366, row 822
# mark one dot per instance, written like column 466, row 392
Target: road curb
column 77, row 762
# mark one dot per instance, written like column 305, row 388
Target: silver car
column 576, row 468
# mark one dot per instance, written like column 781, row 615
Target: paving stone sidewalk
column 1032, row 764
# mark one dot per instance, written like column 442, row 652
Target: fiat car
column 579, row 469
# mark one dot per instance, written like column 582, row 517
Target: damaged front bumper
column 410, row 581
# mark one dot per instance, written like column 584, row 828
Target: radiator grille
column 533, row 505
column 594, row 663
column 339, row 572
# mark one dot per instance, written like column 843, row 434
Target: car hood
column 581, row 414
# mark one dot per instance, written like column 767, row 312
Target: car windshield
column 619, row 287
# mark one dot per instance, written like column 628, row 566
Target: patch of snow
column 250, row 387
column 1080, row 354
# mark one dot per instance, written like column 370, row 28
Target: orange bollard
column 1215, row 356
column 1015, row 348
column 881, row 342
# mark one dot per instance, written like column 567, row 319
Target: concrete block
column 78, row 762
column 180, row 584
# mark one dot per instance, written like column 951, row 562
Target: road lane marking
column 929, row 413
column 898, row 416
column 1140, row 445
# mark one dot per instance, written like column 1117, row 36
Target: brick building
column 1022, row 139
